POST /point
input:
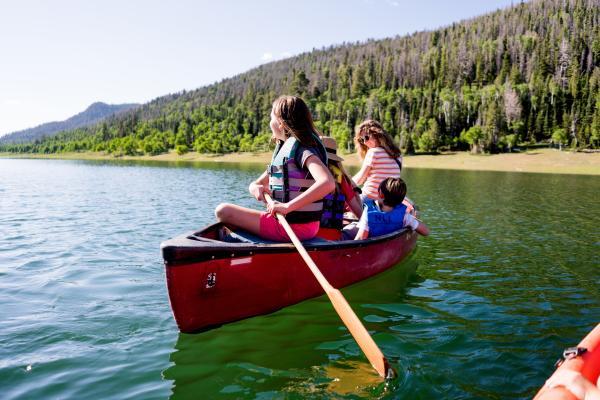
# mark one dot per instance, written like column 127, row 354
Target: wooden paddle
column 349, row 318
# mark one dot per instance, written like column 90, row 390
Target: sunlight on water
column 509, row 277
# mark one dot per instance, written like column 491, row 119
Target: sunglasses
column 364, row 139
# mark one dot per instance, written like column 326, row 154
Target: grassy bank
column 539, row 160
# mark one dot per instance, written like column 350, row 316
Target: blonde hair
column 374, row 128
column 296, row 119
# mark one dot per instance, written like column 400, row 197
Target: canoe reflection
column 303, row 349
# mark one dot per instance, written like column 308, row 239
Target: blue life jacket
column 287, row 180
column 381, row 222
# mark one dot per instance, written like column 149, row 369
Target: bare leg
column 240, row 217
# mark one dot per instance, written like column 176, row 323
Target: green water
column 508, row 278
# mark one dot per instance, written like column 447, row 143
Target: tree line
column 526, row 74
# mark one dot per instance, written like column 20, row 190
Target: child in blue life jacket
column 384, row 216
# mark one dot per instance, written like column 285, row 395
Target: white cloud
column 11, row 102
column 393, row 3
column 267, row 56
column 286, row 54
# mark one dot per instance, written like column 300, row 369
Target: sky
column 57, row 57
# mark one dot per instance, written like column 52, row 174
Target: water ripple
column 508, row 278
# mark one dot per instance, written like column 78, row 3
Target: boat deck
column 241, row 236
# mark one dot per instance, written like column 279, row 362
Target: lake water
column 508, row 278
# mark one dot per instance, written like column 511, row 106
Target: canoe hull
column 214, row 290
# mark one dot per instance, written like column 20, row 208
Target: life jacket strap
column 286, row 181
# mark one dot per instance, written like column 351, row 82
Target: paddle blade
column 360, row 334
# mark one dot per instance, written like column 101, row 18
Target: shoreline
column 537, row 161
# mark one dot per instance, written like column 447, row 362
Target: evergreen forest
column 526, row 74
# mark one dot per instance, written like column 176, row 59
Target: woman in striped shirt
column 381, row 157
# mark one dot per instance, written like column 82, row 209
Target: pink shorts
column 271, row 229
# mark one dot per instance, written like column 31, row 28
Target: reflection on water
column 206, row 165
column 508, row 278
column 286, row 352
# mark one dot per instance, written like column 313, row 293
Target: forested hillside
column 92, row 115
column 525, row 74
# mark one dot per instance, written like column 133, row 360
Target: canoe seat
column 241, row 236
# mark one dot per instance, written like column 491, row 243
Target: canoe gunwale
column 191, row 248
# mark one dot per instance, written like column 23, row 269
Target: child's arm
column 361, row 175
column 324, row 184
column 363, row 226
column 352, row 198
column 361, row 235
column 422, row 229
column 258, row 187
column 356, row 206
column 416, row 225
column 365, row 169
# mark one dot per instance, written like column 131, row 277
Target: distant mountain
column 95, row 113
column 525, row 74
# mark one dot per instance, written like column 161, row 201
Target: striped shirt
column 382, row 166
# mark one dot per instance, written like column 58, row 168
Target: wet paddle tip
column 390, row 373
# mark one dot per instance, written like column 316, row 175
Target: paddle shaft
column 341, row 306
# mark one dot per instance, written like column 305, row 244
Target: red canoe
column 216, row 276
column 585, row 358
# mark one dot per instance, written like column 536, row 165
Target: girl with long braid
column 297, row 178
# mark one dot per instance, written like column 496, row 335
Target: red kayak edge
column 587, row 363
